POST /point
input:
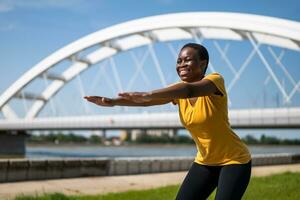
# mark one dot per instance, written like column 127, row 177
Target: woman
column 222, row 160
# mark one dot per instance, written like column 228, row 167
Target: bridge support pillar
column 12, row 144
column 174, row 132
column 132, row 134
column 103, row 135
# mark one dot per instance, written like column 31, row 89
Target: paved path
column 102, row 185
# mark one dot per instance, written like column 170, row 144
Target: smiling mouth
column 183, row 72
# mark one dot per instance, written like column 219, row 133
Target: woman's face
column 189, row 67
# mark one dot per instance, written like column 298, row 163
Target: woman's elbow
column 189, row 91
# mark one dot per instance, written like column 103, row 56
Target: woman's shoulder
column 218, row 80
column 215, row 77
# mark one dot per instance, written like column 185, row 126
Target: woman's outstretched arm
column 177, row 91
column 109, row 102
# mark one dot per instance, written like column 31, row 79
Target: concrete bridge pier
column 103, row 135
column 12, row 144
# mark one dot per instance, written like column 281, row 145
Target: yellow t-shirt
column 207, row 121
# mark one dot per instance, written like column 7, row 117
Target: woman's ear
column 203, row 64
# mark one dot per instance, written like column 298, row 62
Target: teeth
column 183, row 72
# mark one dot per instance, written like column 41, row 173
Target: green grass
column 276, row 187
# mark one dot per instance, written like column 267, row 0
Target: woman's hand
column 101, row 101
column 137, row 97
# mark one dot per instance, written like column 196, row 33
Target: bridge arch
column 145, row 31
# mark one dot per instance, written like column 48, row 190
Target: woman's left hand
column 138, row 97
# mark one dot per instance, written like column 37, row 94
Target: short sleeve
column 175, row 101
column 218, row 80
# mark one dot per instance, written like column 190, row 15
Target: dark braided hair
column 201, row 50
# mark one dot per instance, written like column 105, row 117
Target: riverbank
column 109, row 184
column 141, row 150
column 139, row 145
column 12, row 170
column 102, row 145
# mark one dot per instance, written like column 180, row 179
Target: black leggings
column 231, row 182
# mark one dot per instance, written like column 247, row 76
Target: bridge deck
column 250, row 118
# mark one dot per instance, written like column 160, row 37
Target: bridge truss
column 102, row 47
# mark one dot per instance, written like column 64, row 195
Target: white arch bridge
column 106, row 43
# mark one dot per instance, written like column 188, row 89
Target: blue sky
column 30, row 30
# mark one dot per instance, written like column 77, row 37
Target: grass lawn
column 281, row 186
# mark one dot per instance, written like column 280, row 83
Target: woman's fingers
column 92, row 99
column 101, row 101
column 89, row 98
column 106, row 100
column 138, row 97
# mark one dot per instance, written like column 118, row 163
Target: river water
column 76, row 151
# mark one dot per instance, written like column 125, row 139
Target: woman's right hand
column 100, row 101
